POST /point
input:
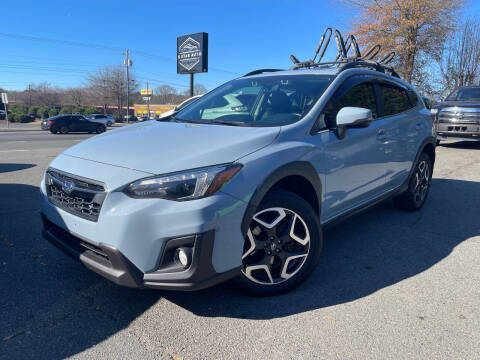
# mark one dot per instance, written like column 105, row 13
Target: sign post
column 192, row 55
column 5, row 102
column 147, row 94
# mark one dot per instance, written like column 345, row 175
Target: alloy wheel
column 277, row 246
column 422, row 181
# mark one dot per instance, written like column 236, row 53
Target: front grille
column 459, row 116
column 76, row 195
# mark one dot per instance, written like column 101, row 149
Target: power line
column 99, row 46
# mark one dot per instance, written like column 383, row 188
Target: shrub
column 18, row 109
column 66, row 110
column 78, row 110
column 90, row 110
column 52, row 112
column 23, row 118
column 33, row 110
column 42, row 112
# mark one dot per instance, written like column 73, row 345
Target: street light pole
column 148, row 101
column 128, row 63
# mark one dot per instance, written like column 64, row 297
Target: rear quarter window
column 395, row 99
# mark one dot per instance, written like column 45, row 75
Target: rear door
column 355, row 165
column 402, row 127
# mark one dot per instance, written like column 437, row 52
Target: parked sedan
column 107, row 120
column 64, row 124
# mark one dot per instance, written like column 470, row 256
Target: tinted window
column 413, row 97
column 465, row 94
column 361, row 95
column 258, row 101
column 395, row 100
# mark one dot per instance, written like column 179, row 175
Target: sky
column 61, row 42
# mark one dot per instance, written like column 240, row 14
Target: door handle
column 381, row 135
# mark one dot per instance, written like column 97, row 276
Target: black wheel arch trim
column 298, row 168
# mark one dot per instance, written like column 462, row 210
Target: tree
column 198, row 89
column 42, row 112
column 52, row 112
column 90, row 110
column 166, row 94
column 65, row 110
column 33, row 110
column 460, row 63
column 415, row 29
column 45, row 94
column 109, row 86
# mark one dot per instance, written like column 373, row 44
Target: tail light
column 51, row 122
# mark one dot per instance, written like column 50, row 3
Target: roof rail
column 260, row 71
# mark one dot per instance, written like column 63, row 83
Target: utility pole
column 29, row 95
column 128, row 63
column 148, row 102
column 104, row 97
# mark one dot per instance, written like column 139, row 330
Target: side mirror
column 349, row 117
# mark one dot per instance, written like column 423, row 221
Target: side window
column 361, row 95
column 413, row 97
column 395, row 100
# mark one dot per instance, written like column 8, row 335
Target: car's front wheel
column 283, row 244
column 109, row 123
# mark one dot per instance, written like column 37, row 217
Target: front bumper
column 110, row 263
column 457, row 131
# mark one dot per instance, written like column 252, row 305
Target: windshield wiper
column 229, row 123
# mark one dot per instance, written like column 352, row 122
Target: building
column 141, row 109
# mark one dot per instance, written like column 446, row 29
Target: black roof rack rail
column 260, row 71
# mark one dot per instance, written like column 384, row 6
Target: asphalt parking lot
column 390, row 284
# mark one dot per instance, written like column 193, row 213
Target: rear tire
column 437, row 143
column 64, row 130
column 100, row 129
column 282, row 246
column 418, row 186
column 109, row 123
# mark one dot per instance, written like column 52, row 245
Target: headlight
column 187, row 185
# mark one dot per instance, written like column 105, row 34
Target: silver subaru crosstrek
column 220, row 192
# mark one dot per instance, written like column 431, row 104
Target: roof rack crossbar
column 260, row 71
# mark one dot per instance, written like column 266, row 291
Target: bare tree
column 109, row 85
column 415, row 29
column 166, row 94
column 44, row 94
column 460, row 63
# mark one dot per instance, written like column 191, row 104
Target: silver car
column 241, row 191
column 105, row 119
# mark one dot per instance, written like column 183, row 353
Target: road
column 390, row 284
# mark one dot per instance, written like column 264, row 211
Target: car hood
column 465, row 104
column 162, row 147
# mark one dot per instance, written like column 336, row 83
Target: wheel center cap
column 273, row 246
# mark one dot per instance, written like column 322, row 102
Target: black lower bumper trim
column 110, row 263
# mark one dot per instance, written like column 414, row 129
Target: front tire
column 418, row 186
column 282, row 245
column 100, row 129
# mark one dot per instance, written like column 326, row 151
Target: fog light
column 183, row 256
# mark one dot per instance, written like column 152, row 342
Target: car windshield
column 259, row 101
column 465, row 94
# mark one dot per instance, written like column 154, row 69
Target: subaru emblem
column 68, row 186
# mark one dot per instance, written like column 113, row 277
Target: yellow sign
column 146, row 92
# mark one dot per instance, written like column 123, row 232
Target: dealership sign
column 192, row 53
